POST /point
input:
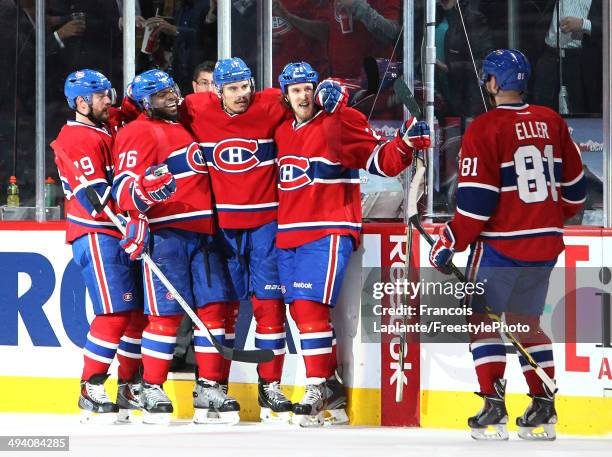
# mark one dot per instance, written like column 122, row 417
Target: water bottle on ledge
column 49, row 192
column 12, row 193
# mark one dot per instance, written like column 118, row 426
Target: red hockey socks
column 158, row 341
column 211, row 364
column 270, row 334
column 102, row 342
column 539, row 346
column 489, row 354
column 316, row 337
column 128, row 353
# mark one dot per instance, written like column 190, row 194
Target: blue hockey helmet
column 297, row 72
column 150, row 82
column 84, row 83
column 510, row 68
column 230, row 70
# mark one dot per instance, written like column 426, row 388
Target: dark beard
column 156, row 113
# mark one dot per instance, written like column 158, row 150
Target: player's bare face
column 100, row 106
column 301, row 99
column 165, row 103
column 236, row 97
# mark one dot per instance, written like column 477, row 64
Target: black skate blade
column 545, row 432
column 497, row 432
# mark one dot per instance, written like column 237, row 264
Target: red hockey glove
column 136, row 238
column 331, row 95
column 155, row 185
column 415, row 134
column 441, row 253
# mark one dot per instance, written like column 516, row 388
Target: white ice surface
column 182, row 438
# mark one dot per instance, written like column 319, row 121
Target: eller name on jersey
column 520, row 176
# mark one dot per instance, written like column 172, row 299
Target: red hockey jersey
column 240, row 153
column 318, row 165
column 90, row 148
column 146, row 142
column 520, row 175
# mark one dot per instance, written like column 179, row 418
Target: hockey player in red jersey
column 235, row 128
column 319, row 216
column 111, row 278
column 520, row 177
column 178, row 205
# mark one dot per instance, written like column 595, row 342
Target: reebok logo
column 302, row 285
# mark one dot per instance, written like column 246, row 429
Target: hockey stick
column 405, row 96
column 413, row 217
column 402, row 91
column 239, row 355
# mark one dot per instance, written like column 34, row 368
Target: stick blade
column 370, row 67
column 414, row 192
column 405, row 96
column 247, row 356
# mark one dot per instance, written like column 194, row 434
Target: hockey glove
column 155, row 185
column 331, row 95
column 415, row 134
column 441, row 253
column 136, row 238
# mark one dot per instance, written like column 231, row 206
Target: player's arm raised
column 139, row 181
column 93, row 166
column 357, row 145
column 573, row 182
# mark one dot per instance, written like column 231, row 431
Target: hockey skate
column 156, row 406
column 309, row 411
column 493, row 414
column 212, row 405
column 94, row 403
column 275, row 407
column 538, row 421
column 335, row 413
column 128, row 399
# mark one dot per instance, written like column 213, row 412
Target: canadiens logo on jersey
column 195, row 158
column 236, row 155
column 293, row 172
column 280, row 26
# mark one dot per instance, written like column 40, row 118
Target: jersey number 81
column 531, row 182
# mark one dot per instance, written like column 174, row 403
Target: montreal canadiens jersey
column 318, row 163
column 90, row 149
column 520, row 176
column 146, row 142
column 240, row 153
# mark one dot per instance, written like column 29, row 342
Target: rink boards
column 44, row 313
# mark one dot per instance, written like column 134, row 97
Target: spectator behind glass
column 195, row 37
column 580, row 41
column 299, row 31
column 202, row 77
column 360, row 28
column 462, row 88
column 93, row 40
